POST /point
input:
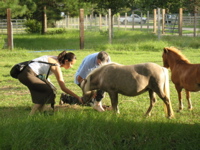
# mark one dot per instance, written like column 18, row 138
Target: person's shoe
column 98, row 106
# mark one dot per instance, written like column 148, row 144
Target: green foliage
column 16, row 8
column 33, row 26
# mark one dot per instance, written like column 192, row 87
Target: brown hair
column 64, row 55
column 103, row 56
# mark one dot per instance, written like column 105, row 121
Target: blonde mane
column 178, row 54
column 96, row 69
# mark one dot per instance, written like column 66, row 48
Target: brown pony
column 183, row 74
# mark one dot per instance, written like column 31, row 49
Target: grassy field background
column 74, row 127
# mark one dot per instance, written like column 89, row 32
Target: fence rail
column 17, row 26
column 101, row 23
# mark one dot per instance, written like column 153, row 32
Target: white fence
column 101, row 23
column 17, row 26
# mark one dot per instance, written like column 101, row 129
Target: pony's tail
column 166, row 85
column 167, row 91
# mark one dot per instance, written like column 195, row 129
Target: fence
column 17, row 26
column 101, row 23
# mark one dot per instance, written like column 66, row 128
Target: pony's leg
column 114, row 101
column 165, row 96
column 188, row 99
column 170, row 113
column 179, row 92
column 152, row 97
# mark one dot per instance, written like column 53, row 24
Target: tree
column 14, row 5
column 72, row 7
column 172, row 6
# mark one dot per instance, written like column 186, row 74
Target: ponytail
column 64, row 55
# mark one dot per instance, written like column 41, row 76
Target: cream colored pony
column 131, row 80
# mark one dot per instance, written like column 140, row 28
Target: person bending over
column 41, row 92
column 88, row 64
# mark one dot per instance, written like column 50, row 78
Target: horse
column 130, row 80
column 184, row 75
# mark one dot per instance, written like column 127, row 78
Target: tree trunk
column 44, row 21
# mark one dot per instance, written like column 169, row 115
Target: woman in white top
column 41, row 92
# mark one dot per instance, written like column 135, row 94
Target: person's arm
column 59, row 76
column 80, row 79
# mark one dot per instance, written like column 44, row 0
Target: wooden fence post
column 158, row 19
column 81, row 28
column 141, row 21
column 180, row 21
column 147, row 21
column 110, row 26
column 100, row 22
column 195, row 21
column 133, row 22
column 163, row 21
column 9, row 30
column 125, row 22
column 154, row 21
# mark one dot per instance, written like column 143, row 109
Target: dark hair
column 64, row 55
column 103, row 56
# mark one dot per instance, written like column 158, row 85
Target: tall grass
column 74, row 127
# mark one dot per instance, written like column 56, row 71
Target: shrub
column 33, row 26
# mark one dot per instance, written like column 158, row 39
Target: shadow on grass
column 84, row 129
column 46, row 43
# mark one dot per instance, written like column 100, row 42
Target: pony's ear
column 83, row 83
column 165, row 50
column 85, row 80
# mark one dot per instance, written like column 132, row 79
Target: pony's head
column 173, row 55
column 165, row 57
column 87, row 93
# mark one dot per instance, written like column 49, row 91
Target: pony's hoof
column 147, row 115
column 170, row 117
column 190, row 108
column 179, row 110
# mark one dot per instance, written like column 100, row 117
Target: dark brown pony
column 183, row 74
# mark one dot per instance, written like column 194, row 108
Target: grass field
column 74, row 127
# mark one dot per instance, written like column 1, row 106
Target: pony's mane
column 100, row 67
column 178, row 53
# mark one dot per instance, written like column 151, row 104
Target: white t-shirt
column 41, row 68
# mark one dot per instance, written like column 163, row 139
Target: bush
column 33, row 26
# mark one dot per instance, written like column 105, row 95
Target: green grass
column 82, row 128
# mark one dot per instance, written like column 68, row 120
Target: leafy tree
column 191, row 4
column 72, row 7
column 31, row 7
column 172, row 6
column 14, row 5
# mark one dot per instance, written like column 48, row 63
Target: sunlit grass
column 78, row 127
